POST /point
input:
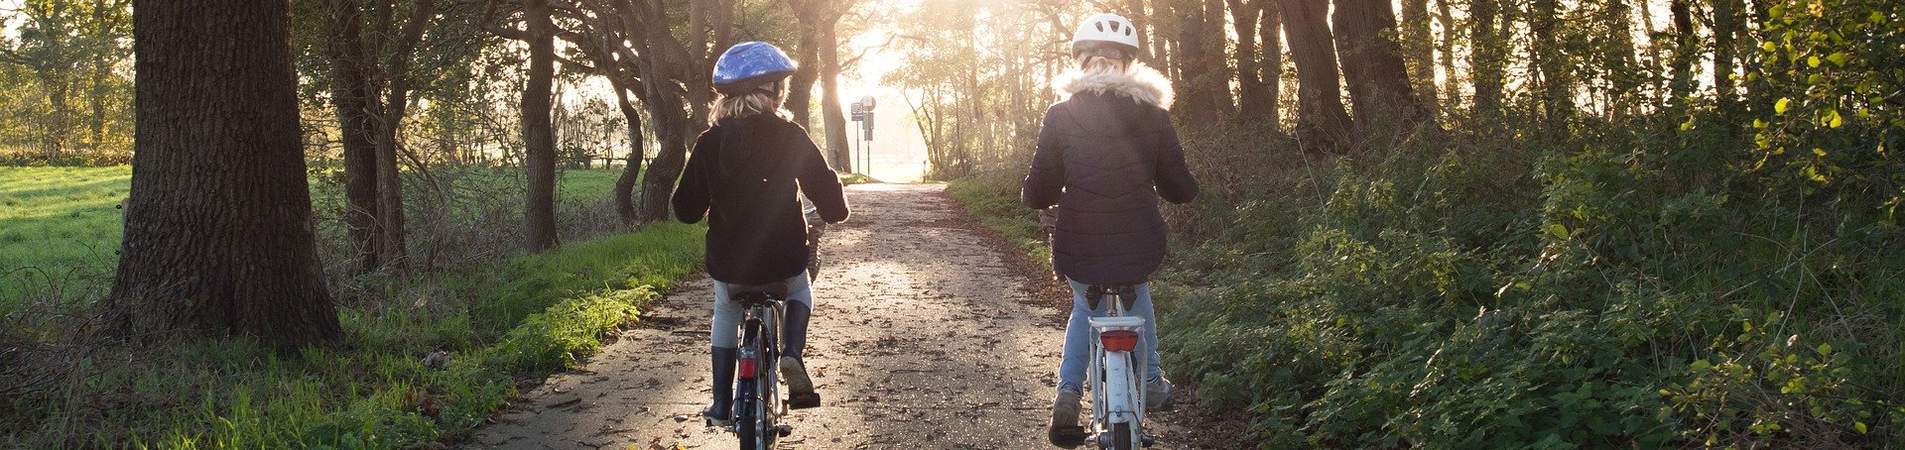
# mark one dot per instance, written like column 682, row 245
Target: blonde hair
column 766, row 100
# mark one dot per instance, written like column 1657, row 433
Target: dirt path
column 926, row 334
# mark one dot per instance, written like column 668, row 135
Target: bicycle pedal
column 783, row 430
column 803, row 401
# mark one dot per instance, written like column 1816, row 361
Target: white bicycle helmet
column 1106, row 29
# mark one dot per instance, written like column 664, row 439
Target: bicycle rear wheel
column 1121, row 437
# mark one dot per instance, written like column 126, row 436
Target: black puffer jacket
column 1104, row 157
column 743, row 176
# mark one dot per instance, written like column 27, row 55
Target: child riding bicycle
column 1105, row 154
column 744, row 176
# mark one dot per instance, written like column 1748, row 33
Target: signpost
column 863, row 118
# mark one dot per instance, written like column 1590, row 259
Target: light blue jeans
column 1078, row 335
column 727, row 313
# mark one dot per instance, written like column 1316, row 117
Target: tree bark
column 1256, row 102
column 1271, row 32
column 1487, row 56
column 1557, row 80
column 800, row 88
column 393, row 250
column 1418, row 50
column 625, row 184
column 353, row 97
column 1727, row 27
column 1373, row 67
column 539, row 145
column 218, row 235
column 1322, row 124
column 838, row 151
column 1205, row 85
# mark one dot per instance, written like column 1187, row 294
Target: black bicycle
column 758, row 405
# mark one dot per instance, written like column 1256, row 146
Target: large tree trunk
column 539, row 142
column 396, row 106
column 665, row 109
column 1418, row 51
column 1488, row 54
column 218, row 232
column 800, row 89
column 1255, row 103
column 625, row 184
column 1322, row 125
column 838, row 151
column 1557, row 79
column 1205, row 85
column 354, row 98
column 1379, row 92
column 1271, row 31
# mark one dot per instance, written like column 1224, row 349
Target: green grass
column 60, row 226
column 59, row 222
column 519, row 319
column 997, row 206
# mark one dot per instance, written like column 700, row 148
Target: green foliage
column 375, row 390
column 1833, row 114
column 1636, row 285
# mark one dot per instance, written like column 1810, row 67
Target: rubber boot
column 721, row 413
column 1064, row 431
column 800, row 387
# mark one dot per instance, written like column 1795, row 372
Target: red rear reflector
column 747, row 368
column 1118, row 340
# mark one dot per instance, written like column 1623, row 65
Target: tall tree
column 1204, row 86
column 1256, row 99
column 820, row 41
column 390, row 212
column 539, row 141
column 1728, row 25
column 1373, row 67
column 1270, row 30
column 1488, row 53
column 1322, row 124
column 1685, row 53
column 355, row 100
column 218, row 234
column 1418, row 51
column 1446, row 18
column 1551, row 61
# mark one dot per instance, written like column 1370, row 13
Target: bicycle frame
column 1117, row 396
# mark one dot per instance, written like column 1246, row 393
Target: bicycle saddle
column 1095, row 293
column 749, row 294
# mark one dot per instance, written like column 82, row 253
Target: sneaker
column 1064, row 431
column 1157, row 394
column 800, row 388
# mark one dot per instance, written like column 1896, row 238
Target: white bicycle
column 1114, row 377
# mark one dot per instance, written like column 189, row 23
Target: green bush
column 1635, row 285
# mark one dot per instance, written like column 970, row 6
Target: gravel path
column 927, row 333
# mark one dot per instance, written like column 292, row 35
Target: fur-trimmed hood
column 1141, row 83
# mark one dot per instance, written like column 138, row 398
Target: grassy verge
column 996, row 203
column 406, row 376
column 60, row 226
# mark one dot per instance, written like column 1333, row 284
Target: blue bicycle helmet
column 748, row 65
